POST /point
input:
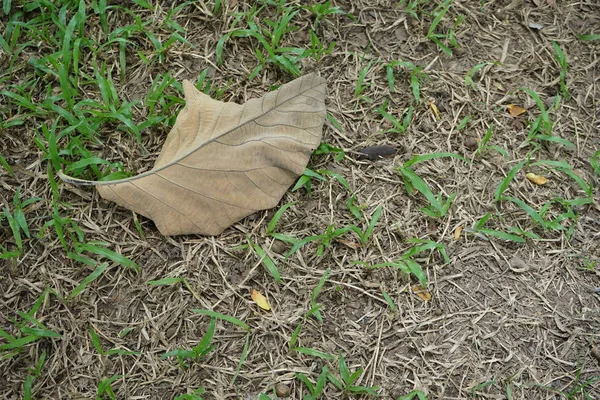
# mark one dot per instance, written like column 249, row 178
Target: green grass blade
column 96, row 340
column 87, row 280
column 165, row 281
column 267, row 262
column 106, row 253
column 223, row 317
column 365, row 237
column 418, row 183
column 19, row 342
column 528, row 209
column 424, row 157
column 389, row 300
column 242, row 359
column 314, row 353
column 506, row 181
column 273, row 223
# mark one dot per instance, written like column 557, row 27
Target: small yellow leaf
column 515, row 111
column 260, row 300
column 421, row 292
column 537, row 179
column 457, row 232
column 435, row 110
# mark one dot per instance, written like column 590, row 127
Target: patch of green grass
column 483, row 144
column 515, row 236
column 32, row 375
column 407, row 264
column 87, row 280
column 595, row 162
column 297, row 330
column 540, row 130
column 325, row 239
column 195, row 395
column 321, row 11
column 415, row 75
column 579, row 389
column 314, row 389
column 98, row 346
column 389, row 301
column 397, row 126
column 472, row 72
column 17, row 223
column 200, row 350
column 450, row 37
column 105, row 390
column 347, row 383
column 305, row 181
column 413, row 394
column 270, row 33
column 29, row 329
column 413, row 7
column 266, row 260
column 355, row 210
column 505, row 183
column 223, row 317
column 324, row 148
column 361, row 84
column 438, row 205
column 589, row 37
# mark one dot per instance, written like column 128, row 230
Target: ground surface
column 505, row 319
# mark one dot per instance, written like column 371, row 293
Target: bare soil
column 503, row 316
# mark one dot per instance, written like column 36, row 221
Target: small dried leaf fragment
column 373, row 153
column 349, row 243
column 537, row 179
column 260, row 300
column 421, row 292
column 514, row 110
column 435, row 110
column 535, row 26
column 596, row 353
column 457, row 232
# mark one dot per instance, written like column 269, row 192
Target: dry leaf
column 223, row 161
column 515, row 111
column 435, row 110
column 535, row 26
column 596, row 353
column 421, row 292
column 457, row 232
column 373, row 153
column 537, row 179
column 260, row 300
column 349, row 243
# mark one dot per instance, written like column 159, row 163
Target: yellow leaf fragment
column 515, row 111
column 457, row 232
column 260, row 300
column 436, row 112
column 421, row 292
column 537, row 179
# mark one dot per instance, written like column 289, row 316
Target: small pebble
column 171, row 332
column 278, row 247
column 282, row 390
column 471, row 143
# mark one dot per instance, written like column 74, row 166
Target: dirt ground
column 505, row 320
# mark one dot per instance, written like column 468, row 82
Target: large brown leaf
column 223, row 161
